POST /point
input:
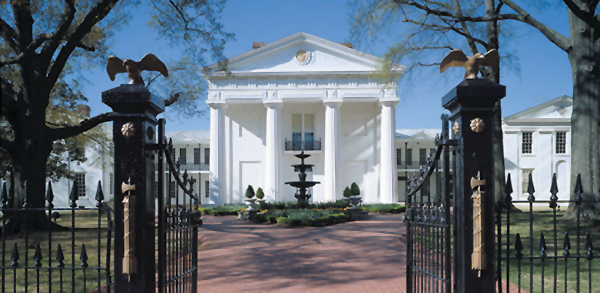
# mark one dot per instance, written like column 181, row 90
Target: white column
column 388, row 173
column 217, row 153
column 332, row 157
column 273, row 151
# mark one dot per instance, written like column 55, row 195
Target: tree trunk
column 585, row 150
column 29, row 159
column 497, row 137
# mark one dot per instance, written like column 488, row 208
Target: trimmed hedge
column 299, row 218
column 221, row 210
column 382, row 208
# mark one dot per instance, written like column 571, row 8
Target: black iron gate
column 429, row 222
column 178, row 222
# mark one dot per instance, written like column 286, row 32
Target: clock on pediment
column 304, row 57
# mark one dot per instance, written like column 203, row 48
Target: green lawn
column 86, row 225
column 543, row 222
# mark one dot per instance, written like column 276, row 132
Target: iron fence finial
column 73, row 195
column 519, row 246
column 49, row 196
column 99, row 195
column 530, row 188
column 83, row 258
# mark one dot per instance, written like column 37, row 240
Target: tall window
column 206, row 156
column 422, row 156
column 111, row 184
column 561, row 142
column 80, row 184
column 398, row 157
column 408, row 157
column 172, row 187
column 206, row 188
column 196, row 156
column 182, row 156
column 526, row 173
column 303, row 131
column 527, row 142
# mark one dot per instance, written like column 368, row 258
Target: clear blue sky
column 545, row 71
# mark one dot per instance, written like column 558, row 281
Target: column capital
column 273, row 104
column 216, row 104
column 389, row 102
column 334, row 103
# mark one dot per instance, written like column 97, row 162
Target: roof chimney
column 349, row 45
column 83, row 110
column 257, row 45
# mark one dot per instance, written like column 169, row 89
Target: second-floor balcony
column 191, row 167
column 303, row 145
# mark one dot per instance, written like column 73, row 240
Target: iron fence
column 547, row 250
column 56, row 249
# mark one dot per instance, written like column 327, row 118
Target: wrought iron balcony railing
column 303, row 145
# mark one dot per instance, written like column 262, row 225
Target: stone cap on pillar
column 215, row 104
column 273, row 103
column 333, row 102
column 474, row 93
column 389, row 101
column 133, row 98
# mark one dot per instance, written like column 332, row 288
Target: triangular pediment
column 299, row 53
column 559, row 108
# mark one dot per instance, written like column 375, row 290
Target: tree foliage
column 433, row 22
column 46, row 48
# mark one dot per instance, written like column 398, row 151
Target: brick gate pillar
column 471, row 104
column 134, row 130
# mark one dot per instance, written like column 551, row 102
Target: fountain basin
column 300, row 184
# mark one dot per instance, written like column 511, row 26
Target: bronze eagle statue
column 133, row 69
column 456, row 58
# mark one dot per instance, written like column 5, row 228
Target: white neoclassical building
column 301, row 93
column 537, row 141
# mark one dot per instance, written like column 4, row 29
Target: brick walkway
column 365, row 256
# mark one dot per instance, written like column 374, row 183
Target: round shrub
column 259, row 193
column 347, row 192
column 249, row 192
column 354, row 189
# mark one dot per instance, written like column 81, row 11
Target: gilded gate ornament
column 129, row 260
column 478, row 257
column 134, row 69
column 456, row 128
column 477, row 125
column 456, row 58
column 128, row 130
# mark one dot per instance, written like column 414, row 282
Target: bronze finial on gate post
column 471, row 104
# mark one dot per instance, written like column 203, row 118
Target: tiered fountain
column 301, row 185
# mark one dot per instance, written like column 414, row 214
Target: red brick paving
column 364, row 256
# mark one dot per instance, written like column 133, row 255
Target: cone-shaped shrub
column 354, row 189
column 347, row 192
column 249, row 192
column 259, row 193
